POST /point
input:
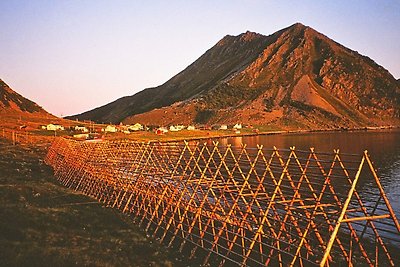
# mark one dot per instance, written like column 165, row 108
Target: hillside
column 11, row 101
column 16, row 111
column 228, row 56
column 294, row 78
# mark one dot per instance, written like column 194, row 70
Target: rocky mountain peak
column 249, row 36
column 295, row 77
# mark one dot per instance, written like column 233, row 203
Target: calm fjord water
column 383, row 148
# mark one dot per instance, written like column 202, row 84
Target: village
column 88, row 130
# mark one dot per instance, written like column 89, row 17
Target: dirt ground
column 45, row 224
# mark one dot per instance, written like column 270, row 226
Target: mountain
column 227, row 57
column 11, row 101
column 294, row 78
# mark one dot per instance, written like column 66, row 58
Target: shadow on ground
column 45, row 224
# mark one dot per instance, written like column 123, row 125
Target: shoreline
column 32, row 138
column 231, row 135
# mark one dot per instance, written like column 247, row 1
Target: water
column 382, row 146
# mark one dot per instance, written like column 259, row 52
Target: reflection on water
column 382, row 146
column 347, row 142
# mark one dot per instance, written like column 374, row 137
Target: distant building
column 135, row 127
column 161, row 130
column 82, row 136
column 191, row 128
column 223, row 127
column 111, row 129
column 237, row 126
column 53, row 127
column 81, row 128
column 176, row 128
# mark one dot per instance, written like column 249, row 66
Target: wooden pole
column 240, row 204
column 342, row 214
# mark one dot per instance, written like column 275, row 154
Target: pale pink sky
column 73, row 56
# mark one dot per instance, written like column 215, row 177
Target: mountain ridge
column 294, row 77
column 105, row 113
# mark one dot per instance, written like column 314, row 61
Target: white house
column 237, row 126
column 223, row 127
column 81, row 129
column 111, row 129
column 82, row 136
column 176, row 128
column 54, row 127
column 191, row 128
column 135, row 127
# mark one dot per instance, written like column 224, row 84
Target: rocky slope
column 20, row 113
column 11, row 101
column 296, row 78
column 228, row 56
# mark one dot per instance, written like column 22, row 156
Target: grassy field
column 146, row 136
column 45, row 224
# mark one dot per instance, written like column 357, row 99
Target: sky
column 72, row 56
